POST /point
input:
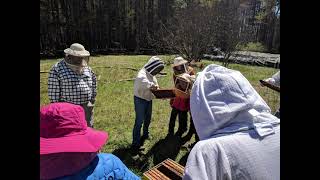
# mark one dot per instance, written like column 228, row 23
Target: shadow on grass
column 169, row 147
column 127, row 157
column 183, row 160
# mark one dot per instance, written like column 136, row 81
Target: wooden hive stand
column 166, row 170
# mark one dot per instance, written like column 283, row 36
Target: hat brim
column 71, row 52
column 91, row 141
column 180, row 63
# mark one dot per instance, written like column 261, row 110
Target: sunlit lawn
column 114, row 109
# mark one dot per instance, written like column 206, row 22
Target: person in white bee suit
column 144, row 83
column 239, row 137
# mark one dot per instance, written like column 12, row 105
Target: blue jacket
column 104, row 166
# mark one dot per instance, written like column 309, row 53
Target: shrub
column 252, row 46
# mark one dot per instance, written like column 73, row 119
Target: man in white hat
column 72, row 80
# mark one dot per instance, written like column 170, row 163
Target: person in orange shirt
column 180, row 105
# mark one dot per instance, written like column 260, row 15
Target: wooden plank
column 171, row 168
column 175, row 166
column 163, row 177
column 271, row 86
column 155, row 175
column 167, row 165
column 151, row 173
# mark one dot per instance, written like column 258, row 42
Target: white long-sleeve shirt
column 142, row 83
column 238, row 156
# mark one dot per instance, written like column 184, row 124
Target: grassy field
column 114, row 108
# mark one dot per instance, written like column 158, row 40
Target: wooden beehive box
column 164, row 93
column 166, row 170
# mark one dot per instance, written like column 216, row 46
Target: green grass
column 252, row 46
column 114, row 109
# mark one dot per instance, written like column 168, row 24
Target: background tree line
column 138, row 26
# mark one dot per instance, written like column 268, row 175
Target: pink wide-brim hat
column 63, row 128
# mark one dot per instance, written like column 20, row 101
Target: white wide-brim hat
column 178, row 61
column 77, row 49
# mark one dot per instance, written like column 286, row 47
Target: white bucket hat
column 77, row 49
column 178, row 61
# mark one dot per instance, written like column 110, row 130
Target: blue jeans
column 143, row 109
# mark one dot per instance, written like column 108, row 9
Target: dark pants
column 143, row 109
column 192, row 130
column 182, row 116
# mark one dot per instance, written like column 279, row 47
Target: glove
column 192, row 78
column 186, row 77
column 270, row 80
column 154, row 87
column 90, row 104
